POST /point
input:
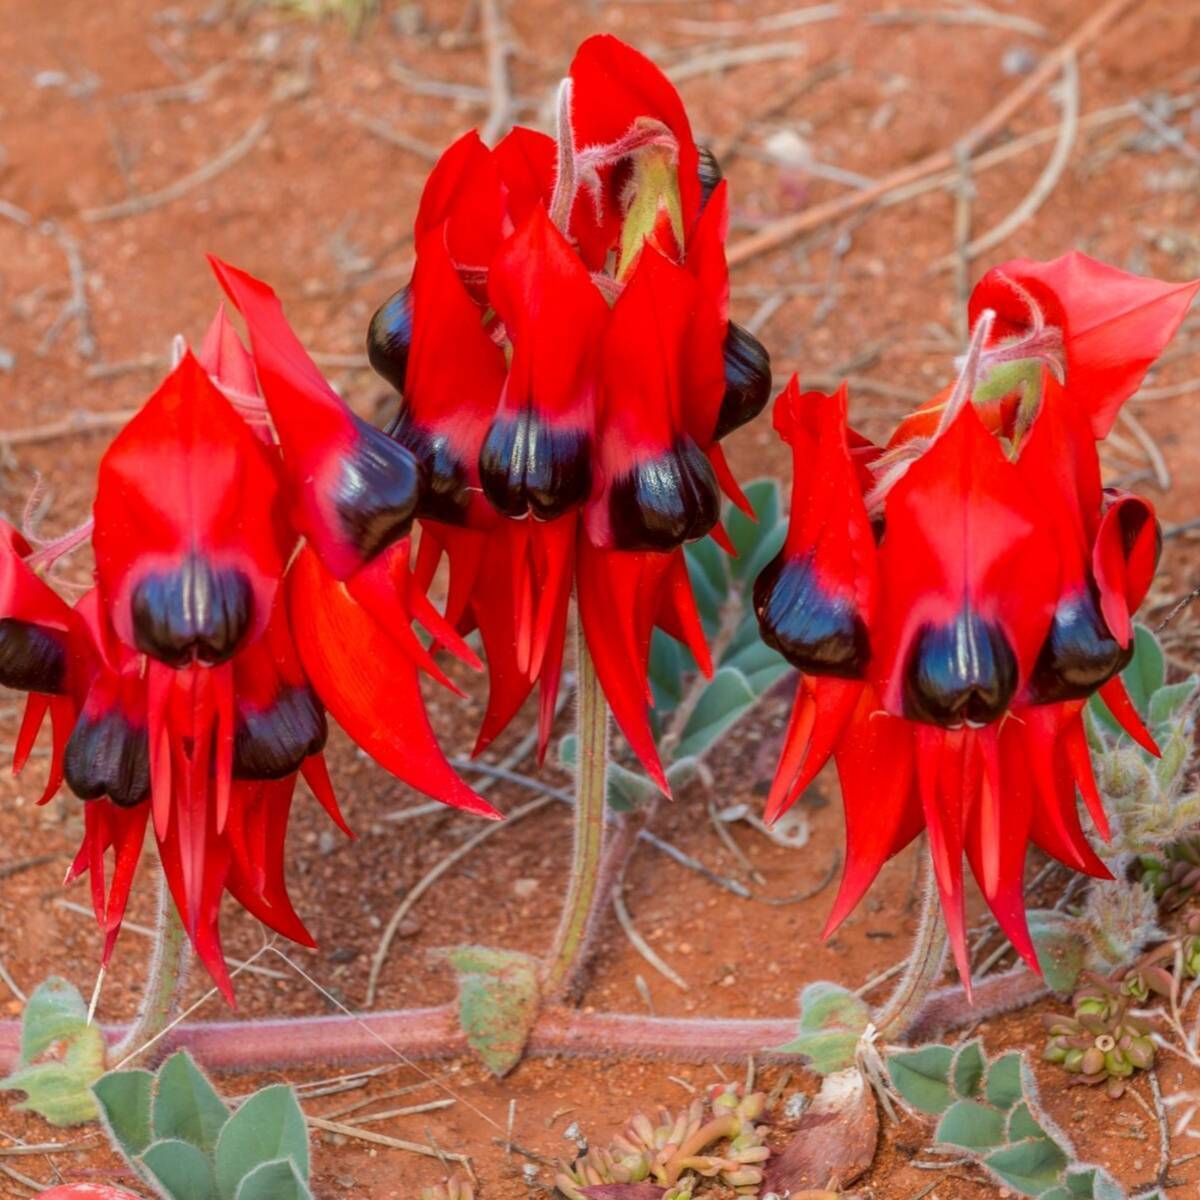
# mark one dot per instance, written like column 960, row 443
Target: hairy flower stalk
column 568, row 954
column 166, row 978
column 926, row 960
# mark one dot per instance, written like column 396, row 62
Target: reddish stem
column 424, row 1033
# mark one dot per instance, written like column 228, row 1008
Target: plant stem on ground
column 569, row 952
column 924, row 969
column 166, row 976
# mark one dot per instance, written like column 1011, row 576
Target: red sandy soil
column 93, row 112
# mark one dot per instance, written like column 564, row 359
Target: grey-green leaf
column 124, row 1098
column 1060, row 949
column 971, row 1126
column 967, row 1073
column 274, row 1181
column 832, row 1020
column 1032, row 1167
column 1022, row 1124
column 55, row 1012
column 186, row 1105
column 1167, row 701
column 1147, row 671
column 268, row 1127
column 728, row 697
column 498, row 997
column 922, row 1077
column 183, row 1171
column 1004, row 1086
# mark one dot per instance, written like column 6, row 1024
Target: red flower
column 946, row 660
column 567, row 366
column 191, row 684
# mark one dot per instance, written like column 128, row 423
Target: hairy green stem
column 166, row 977
column 924, row 968
column 569, row 952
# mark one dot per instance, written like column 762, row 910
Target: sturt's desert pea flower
column 952, row 599
column 247, row 529
column 567, row 366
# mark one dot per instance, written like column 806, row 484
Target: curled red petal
column 374, row 693
column 1124, row 559
column 351, row 489
column 1116, row 696
column 1113, row 324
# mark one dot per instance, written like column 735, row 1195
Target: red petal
column 1113, row 694
column 374, row 694
column 1124, row 560
column 351, row 489
column 1114, row 324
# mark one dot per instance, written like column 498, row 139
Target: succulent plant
column 1103, row 1043
column 714, row 1138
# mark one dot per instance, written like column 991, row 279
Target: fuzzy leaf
column 1061, row 950
column 186, row 1105
column 54, row 1028
column 1022, row 1124
column 497, row 1002
column 124, row 1098
column 669, row 662
column 268, row 1127
column 1005, row 1086
column 1147, row 670
column 832, row 1021
column 1031, row 1167
column 967, row 1073
column 727, row 698
column 922, row 1077
column 55, row 1012
column 761, row 665
column 971, row 1126
column 625, row 790
column 710, row 581
column 1168, row 700
column 183, row 1171
column 748, row 537
column 278, row 1180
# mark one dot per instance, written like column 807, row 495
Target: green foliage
column 832, row 1020
column 498, row 998
column 989, row 1111
column 62, row 1055
column 1153, row 801
column 181, row 1138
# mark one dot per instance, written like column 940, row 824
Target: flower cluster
column 567, row 367
column 240, row 543
column 953, row 598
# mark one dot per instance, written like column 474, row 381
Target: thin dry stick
column 232, row 154
column 714, row 61
column 390, row 134
column 960, row 16
column 1047, row 181
column 772, row 23
column 788, row 228
column 80, row 422
column 411, row 1111
column 498, row 44
column 431, row 877
column 1162, row 473
column 381, row 1139
column 639, row 943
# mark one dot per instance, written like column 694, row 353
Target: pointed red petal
column 1115, row 695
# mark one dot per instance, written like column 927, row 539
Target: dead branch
column 787, row 229
column 136, row 205
column 498, row 46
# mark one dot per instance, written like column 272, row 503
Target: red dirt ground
column 93, row 112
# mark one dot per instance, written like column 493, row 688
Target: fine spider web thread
column 400, row 1055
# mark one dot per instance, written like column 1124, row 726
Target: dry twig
column 786, row 229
